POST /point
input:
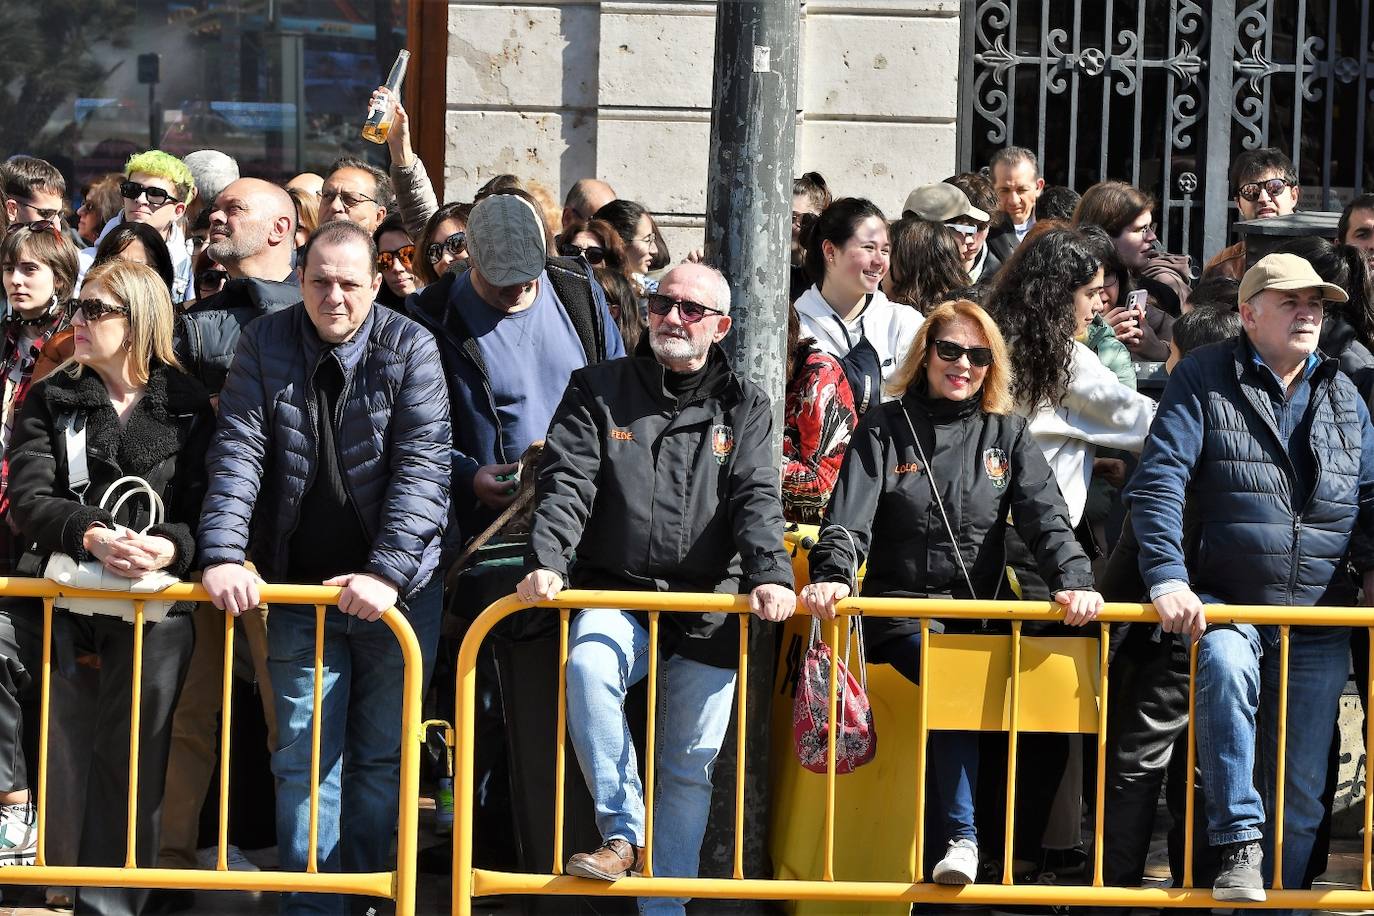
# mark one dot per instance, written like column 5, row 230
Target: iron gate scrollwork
column 1163, row 93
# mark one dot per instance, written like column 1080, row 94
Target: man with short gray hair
column 658, row 475
column 1271, row 448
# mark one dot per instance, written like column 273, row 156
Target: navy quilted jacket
column 393, row 434
column 1215, row 439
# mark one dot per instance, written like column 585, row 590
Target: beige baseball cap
column 940, row 202
column 1286, row 271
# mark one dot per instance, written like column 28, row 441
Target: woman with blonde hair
column 307, row 213
column 123, row 400
column 924, row 496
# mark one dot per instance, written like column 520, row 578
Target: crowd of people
column 341, row 380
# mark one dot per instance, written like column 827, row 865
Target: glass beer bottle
column 379, row 118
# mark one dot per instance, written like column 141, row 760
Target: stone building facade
column 621, row 90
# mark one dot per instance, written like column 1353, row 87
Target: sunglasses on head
column 94, row 309
column 41, row 225
column 691, row 312
column 592, row 254
column 455, row 245
column 211, row 279
column 950, row 352
column 156, row 197
column 1274, row 186
column 405, row 254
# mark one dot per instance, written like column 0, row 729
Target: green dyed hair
column 163, row 165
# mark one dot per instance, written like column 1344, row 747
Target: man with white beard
column 658, row 475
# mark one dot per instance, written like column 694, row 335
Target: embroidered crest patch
column 997, row 467
column 722, row 442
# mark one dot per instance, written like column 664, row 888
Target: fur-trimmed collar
column 155, row 430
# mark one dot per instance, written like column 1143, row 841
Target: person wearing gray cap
column 512, row 329
column 945, row 203
column 1272, row 449
column 213, row 171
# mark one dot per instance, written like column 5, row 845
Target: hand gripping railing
column 398, row 885
column 470, row 883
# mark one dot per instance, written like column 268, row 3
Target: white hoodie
column 1096, row 411
column 889, row 326
column 176, row 247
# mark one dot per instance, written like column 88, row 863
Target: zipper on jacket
column 315, row 450
column 343, row 471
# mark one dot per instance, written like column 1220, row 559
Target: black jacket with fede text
column 986, row 467
column 655, row 495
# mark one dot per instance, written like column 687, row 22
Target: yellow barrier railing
column 470, row 883
column 398, row 885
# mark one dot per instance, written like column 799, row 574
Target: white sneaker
column 960, row 864
column 233, row 858
column 18, row 834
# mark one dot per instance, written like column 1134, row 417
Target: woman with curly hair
column 927, row 264
column 1044, row 299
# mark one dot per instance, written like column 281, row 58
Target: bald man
column 307, row 181
column 585, row 197
column 252, row 238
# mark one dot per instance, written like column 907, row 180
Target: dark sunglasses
column 41, row 225
column 455, row 245
column 592, row 254
column 691, row 312
column 44, row 213
column 211, row 279
column 94, row 309
column 405, row 254
column 1274, row 186
column 949, row 351
column 132, row 190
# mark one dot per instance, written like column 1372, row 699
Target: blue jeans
column 953, row 756
column 360, row 737
column 1237, row 711
column 609, row 653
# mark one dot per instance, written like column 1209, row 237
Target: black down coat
column 986, row 466
column 164, row 442
column 207, row 334
column 392, row 429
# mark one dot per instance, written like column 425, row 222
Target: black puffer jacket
column 164, row 442
column 392, row 429
column 207, row 335
column 986, row 467
column 656, row 496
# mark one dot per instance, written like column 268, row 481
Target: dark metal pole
column 748, row 236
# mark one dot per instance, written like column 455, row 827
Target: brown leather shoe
column 612, row 860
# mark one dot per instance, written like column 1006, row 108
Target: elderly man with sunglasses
column 1266, row 186
column 156, row 188
column 658, row 475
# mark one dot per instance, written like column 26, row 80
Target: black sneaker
column 1239, row 879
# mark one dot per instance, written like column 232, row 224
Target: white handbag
column 92, row 574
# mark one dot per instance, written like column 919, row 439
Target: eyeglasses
column 405, row 254
column 592, row 254
column 455, row 245
column 94, row 309
column 646, row 240
column 1151, row 231
column 44, row 213
column 691, row 312
column 42, row 225
column 350, row 199
column 211, row 279
column 950, row 352
column 156, row 197
column 1273, row 187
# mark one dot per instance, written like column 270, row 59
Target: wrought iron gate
column 1163, row 93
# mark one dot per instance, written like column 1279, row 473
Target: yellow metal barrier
column 398, row 885
column 1011, row 708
